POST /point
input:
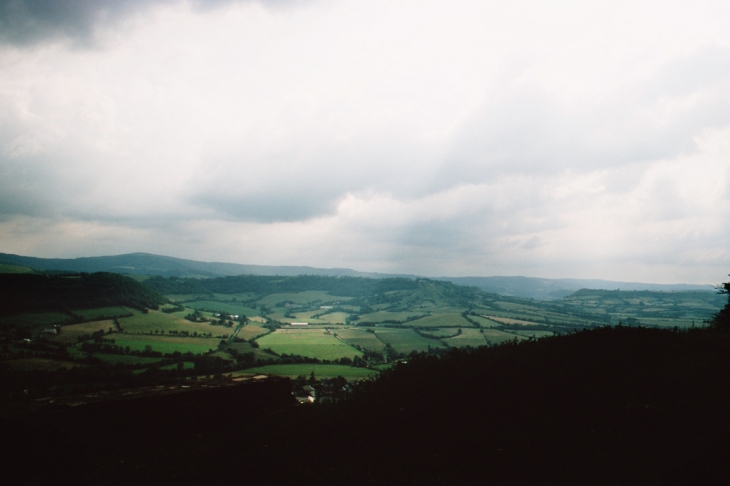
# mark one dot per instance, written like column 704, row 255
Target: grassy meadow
column 309, row 343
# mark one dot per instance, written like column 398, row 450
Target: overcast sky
column 546, row 139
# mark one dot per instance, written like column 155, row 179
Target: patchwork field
column 357, row 337
column 507, row 320
column 468, row 337
column 406, row 340
column 165, row 344
column 314, row 343
column 164, row 323
column 252, row 331
column 484, row 322
column 494, row 336
column 70, row 334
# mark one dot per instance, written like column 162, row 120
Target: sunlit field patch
column 313, row 343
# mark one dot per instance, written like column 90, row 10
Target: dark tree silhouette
column 722, row 318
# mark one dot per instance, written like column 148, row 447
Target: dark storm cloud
column 28, row 22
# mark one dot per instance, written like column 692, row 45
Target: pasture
column 406, row 340
column 495, row 336
column 252, row 331
column 165, row 344
column 312, row 343
column 485, row 322
column 468, row 337
column 164, row 323
column 70, row 334
column 364, row 339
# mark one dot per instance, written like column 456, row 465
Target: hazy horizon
column 548, row 140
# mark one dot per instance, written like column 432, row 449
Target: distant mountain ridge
column 554, row 289
column 149, row 264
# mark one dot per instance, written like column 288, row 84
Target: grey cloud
column 28, row 22
column 270, row 206
column 297, row 183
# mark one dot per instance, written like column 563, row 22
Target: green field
column 441, row 320
column 313, row 343
column 468, row 337
column 320, row 371
column 494, row 336
column 357, row 337
column 165, row 344
column 406, row 340
column 252, row 331
column 484, row 322
column 159, row 321
column 70, row 334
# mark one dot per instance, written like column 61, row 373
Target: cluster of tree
column 721, row 320
column 32, row 292
column 175, row 308
column 196, row 316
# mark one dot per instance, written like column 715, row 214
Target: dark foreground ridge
column 608, row 406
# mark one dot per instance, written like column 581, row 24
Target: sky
column 462, row 138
